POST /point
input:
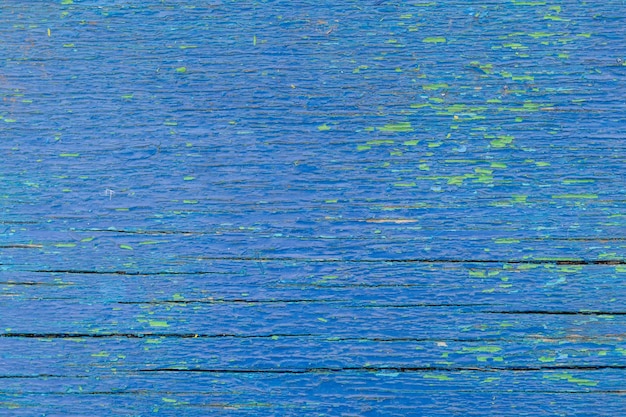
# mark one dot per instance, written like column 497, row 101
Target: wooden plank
column 365, row 208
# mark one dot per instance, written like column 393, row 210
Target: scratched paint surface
column 312, row 208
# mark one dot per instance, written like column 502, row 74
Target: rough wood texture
column 313, row 208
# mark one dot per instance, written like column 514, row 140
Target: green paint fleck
column 555, row 18
column 158, row 323
column 515, row 45
column 482, row 349
column 65, row 245
column 485, row 68
column 435, row 39
column 530, row 106
column 69, row 155
column 420, row 105
column 529, row 3
column 127, row 247
column 578, row 181
column 323, row 128
column 189, row 178
column 461, row 161
column 397, row 127
column 570, row 269
column 502, row 141
column 523, row 78
column 570, row 378
column 438, row 377
column 574, row 196
column 437, row 86
column 181, row 69
column 380, row 142
column 506, row 241
column 540, row 35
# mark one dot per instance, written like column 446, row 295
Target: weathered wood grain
column 305, row 208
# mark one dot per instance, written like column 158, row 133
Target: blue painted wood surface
column 310, row 208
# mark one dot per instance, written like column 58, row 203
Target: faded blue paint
column 272, row 208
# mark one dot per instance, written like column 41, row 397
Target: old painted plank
column 265, row 208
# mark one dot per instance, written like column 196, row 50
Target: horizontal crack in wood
column 391, row 369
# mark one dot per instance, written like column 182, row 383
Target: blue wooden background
column 351, row 208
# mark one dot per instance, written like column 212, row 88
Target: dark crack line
column 392, row 369
column 147, row 232
column 608, row 262
column 128, row 273
column 346, row 303
column 322, row 338
column 233, row 301
column 39, row 376
column 212, row 394
column 418, row 260
column 145, row 335
column 37, row 283
column 560, row 313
